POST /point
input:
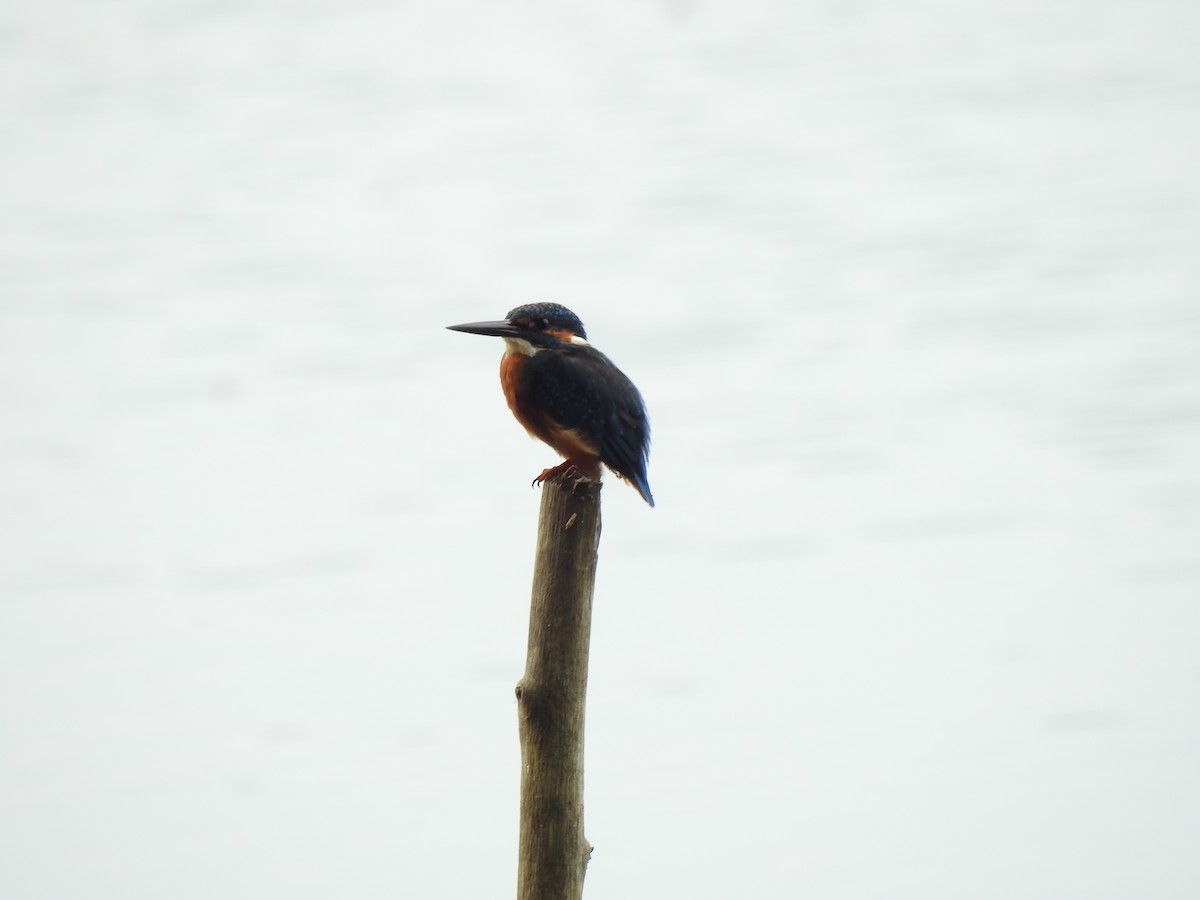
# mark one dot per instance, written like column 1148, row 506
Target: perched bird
column 569, row 394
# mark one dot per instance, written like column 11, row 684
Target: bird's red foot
column 565, row 469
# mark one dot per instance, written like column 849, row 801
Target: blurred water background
column 912, row 291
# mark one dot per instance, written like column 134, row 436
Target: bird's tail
column 638, row 480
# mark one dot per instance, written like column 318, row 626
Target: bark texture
column 551, row 695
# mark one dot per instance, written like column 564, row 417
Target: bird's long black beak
column 503, row 328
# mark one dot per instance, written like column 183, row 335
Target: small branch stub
column 551, row 695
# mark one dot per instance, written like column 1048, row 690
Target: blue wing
column 580, row 388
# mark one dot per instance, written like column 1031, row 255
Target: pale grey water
column 913, row 293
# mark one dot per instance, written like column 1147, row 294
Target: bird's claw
column 562, row 470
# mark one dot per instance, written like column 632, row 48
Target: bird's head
column 533, row 327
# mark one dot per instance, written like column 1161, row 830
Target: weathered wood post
column 553, row 852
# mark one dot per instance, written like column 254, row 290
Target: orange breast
column 510, row 380
column 567, row 441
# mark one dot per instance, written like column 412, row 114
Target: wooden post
column 553, row 853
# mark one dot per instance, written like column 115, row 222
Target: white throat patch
column 520, row 345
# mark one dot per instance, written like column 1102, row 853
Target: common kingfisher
column 568, row 394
